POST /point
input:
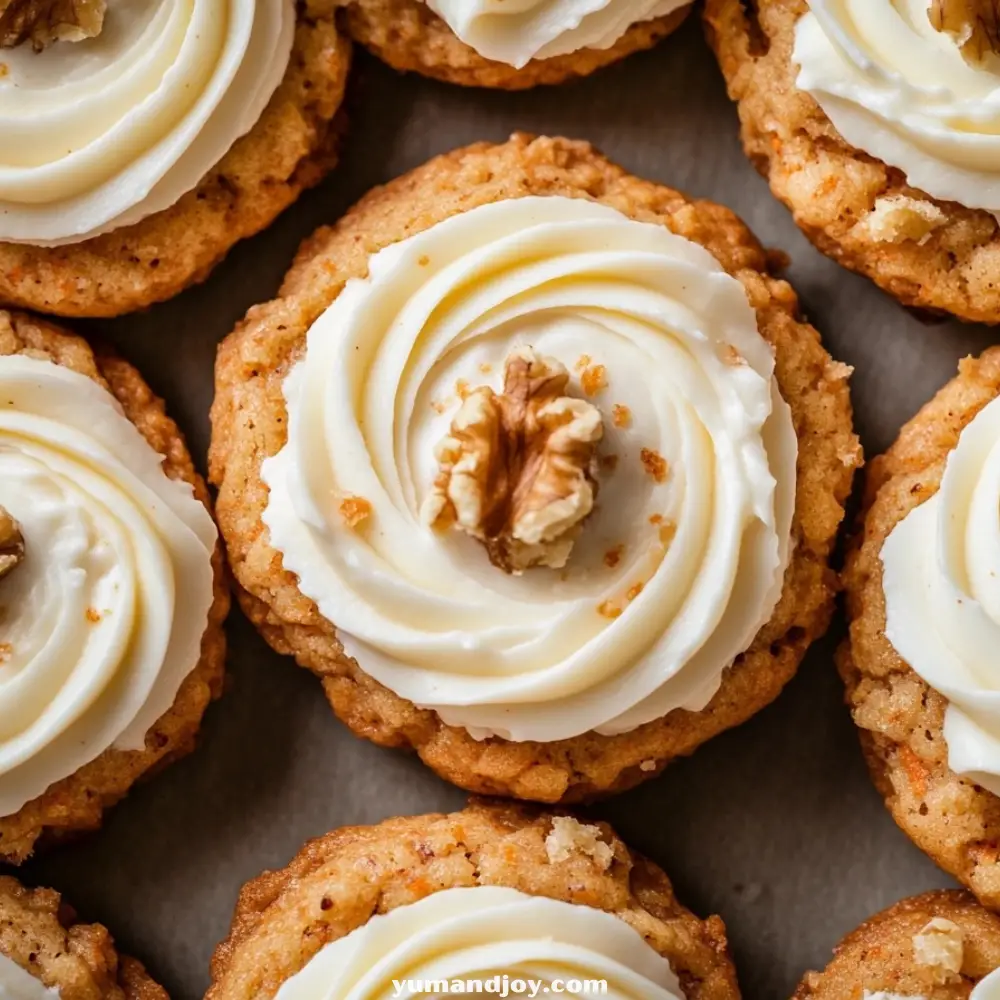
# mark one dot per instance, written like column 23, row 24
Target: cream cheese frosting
column 104, row 618
column 476, row 934
column 102, row 133
column 987, row 988
column 516, row 31
column 19, row 984
column 941, row 577
column 683, row 560
column 900, row 90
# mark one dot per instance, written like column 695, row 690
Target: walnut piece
column 940, row 947
column 517, row 470
column 11, row 543
column 45, row 21
column 974, row 24
column 569, row 836
column 897, row 218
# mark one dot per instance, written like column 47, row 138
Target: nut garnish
column 939, row 946
column 621, row 415
column 517, row 469
column 974, row 24
column 11, row 543
column 654, row 464
column 593, row 379
column 569, row 837
column 45, row 21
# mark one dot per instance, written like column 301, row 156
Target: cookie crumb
column 939, row 947
column 898, row 218
column 569, row 836
column 594, row 379
column 354, row 510
column 654, row 464
column 621, row 415
column 613, row 556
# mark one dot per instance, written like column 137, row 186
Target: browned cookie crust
column 879, row 955
column 249, row 425
column 41, row 934
column 337, row 883
column 901, row 718
column 831, row 187
column 290, row 149
column 77, row 802
column 409, row 36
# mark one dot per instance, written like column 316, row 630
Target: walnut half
column 45, row 21
column 517, row 469
column 11, row 543
column 974, row 24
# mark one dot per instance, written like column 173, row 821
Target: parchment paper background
column 774, row 826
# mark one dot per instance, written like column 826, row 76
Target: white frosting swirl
column 101, row 133
column 482, row 932
column 941, row 576
column 902, row 91
column 540, row 656
column 517, row 31
column 17, row 983
column 988, row 988
column 104, row 618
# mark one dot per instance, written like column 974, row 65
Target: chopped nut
column 974, row 24
column 647, row 766
column 582, row 362
column 517, row 470
column 655, row 464
column 897, row 218
column 634, row 591
column 608, row 609
column 621, row 415
column 569, row 836
column 613, row 556
column 594, row 379
column 92, row 615
column 11, row 543
column 656, row 519
column 667, row 532
column 354, row 510
column 732, row 357
column 45, row 21
column 939, row 947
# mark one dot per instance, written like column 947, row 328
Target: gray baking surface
column 775, row 826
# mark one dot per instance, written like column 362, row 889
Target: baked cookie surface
column 928, row 254
column 249, row 425
column 338, row 882
column 41, row 934
column 77, row 802
column 291, row 148
column 410, row 37
column 885, row 956
column 900, row 717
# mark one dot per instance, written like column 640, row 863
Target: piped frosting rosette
column 101, row 133
column 683, row 558
column 103, row 616
column 516, row 33
column 479, row 934
column 898, row 85
column 942, row 595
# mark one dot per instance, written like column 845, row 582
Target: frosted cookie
column 938, row 946
column 46, row 954
column 111, row 586
column 924, row 599
column 509, row 46
column 877, row 125
column 132, row 161
column 483, row 895
column 535, row 466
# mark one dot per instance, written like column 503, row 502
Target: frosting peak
column 681, row 562
column 101, row 133
column 900, row 89
column 517, row 32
